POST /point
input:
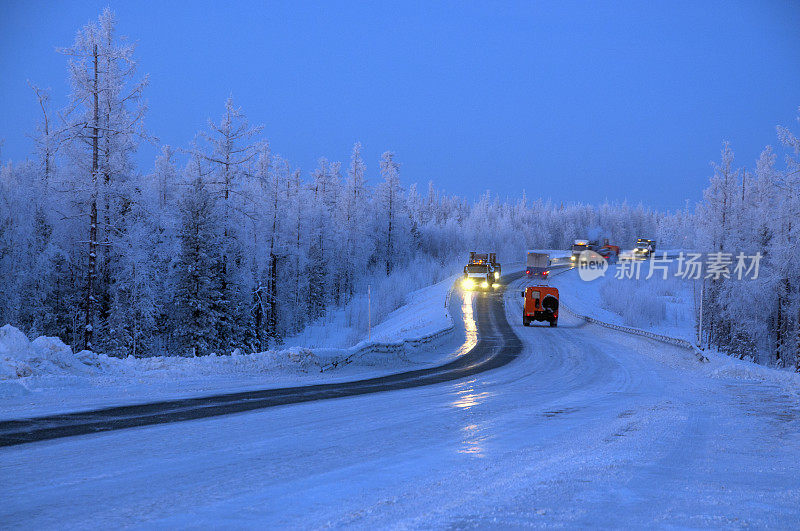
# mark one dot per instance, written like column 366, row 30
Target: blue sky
column 573, row 101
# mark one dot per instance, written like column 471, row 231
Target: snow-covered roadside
column 586, row 298
column 674, row 296
column 44, row 376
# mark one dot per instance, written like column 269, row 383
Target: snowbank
column 411, row 286
column 46, row 362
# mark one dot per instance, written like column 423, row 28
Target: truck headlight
column 468, row 283
column 496, row 275
column 572, row 258
column 485, row 284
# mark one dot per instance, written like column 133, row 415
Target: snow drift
column 21, row 358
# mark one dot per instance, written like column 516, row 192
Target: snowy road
column 489, row 343
column 587, row 426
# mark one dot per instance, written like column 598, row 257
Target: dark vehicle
column 608, row 254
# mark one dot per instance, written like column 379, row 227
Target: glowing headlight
column 496, row 275
column 485, row 284
column 572, row 258
column 468, row 283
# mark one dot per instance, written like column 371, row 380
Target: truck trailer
column 537, row 265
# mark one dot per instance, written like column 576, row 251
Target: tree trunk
column 389, row 250
column 88, row 330
column 272, row 316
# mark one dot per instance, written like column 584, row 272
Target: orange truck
column 541, row 304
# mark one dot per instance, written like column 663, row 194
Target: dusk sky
column 572, row 101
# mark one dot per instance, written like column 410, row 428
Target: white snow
column 674, row 316
column 661, row 306
column 589, row 428
column 424, row 313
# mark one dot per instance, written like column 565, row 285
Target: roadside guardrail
column 644, row 333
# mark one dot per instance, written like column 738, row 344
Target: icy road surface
column 587, row 427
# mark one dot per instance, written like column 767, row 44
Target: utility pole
column 369, row 312
column 700, row 328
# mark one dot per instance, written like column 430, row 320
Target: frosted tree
column 139, row 270
column 103, row 127
column 230, row 151
column 165, row 177
column 716, row 219
column 145, row 253
column 719, row 201
column 36, row 246
column 390, row 205
column 298, row 222
column 785, row 252
column 353, row 218
column 269, row 240
column 199, row 270
column 322, row 267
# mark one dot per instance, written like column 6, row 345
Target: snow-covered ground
column 590, row 427
column 45, row 377
column 662, row 306
column 666, row 307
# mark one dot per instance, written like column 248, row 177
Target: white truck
column 537, row 265
column 482, row 271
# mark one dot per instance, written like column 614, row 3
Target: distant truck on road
column 541, row 304
column 481, row 272
column 609, row 252
column 644, row 248
column 577, row 248
column 537, row 265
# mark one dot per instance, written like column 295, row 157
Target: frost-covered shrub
column 343, row 327
column 638, row 302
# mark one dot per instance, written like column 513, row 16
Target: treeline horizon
column 238, row 249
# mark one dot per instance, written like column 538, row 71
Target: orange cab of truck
column 541, row 304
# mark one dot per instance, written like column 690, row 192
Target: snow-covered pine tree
column 198, row 296
column 322, row 267
column 715, row 219
column 231, row 150
column 390, row 205
column 298, row 223
column 353, row 217
column 786, row 253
